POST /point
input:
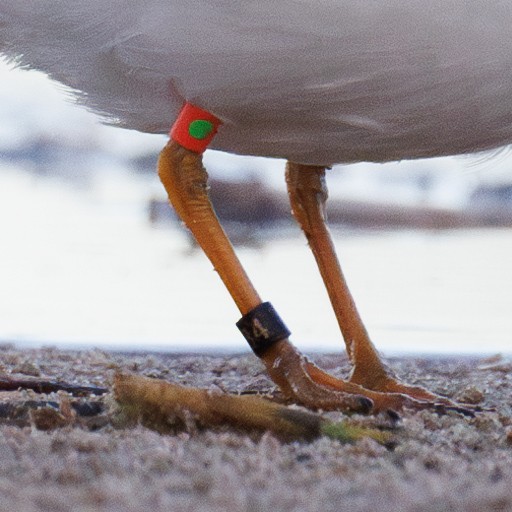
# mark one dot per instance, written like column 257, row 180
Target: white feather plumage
column 320, row 82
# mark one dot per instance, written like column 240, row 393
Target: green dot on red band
column 200, row 128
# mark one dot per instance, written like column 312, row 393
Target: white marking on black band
column 262, row 327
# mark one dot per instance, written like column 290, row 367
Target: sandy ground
column 440, row 463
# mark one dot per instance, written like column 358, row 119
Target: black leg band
column 262, row 327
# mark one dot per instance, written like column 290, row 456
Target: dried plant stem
column 161, row 405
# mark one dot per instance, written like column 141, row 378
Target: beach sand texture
column 439, row 463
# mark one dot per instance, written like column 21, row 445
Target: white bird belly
column 313, row 81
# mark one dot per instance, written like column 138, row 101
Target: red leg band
column 194, row 128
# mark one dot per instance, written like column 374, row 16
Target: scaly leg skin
column 308, row 194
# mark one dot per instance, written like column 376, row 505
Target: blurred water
column 82, row 266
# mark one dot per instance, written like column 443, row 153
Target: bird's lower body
column 371, row 386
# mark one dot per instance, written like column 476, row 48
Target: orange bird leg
column 185, row 181
column 308, row 195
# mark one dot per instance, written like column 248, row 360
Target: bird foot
column 305, row 383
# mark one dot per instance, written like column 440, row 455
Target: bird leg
column 308, row 194
column 185, row 180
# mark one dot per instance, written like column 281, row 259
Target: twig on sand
column 48, row 386
column 162, row 406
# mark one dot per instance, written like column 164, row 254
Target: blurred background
column 91, row 255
